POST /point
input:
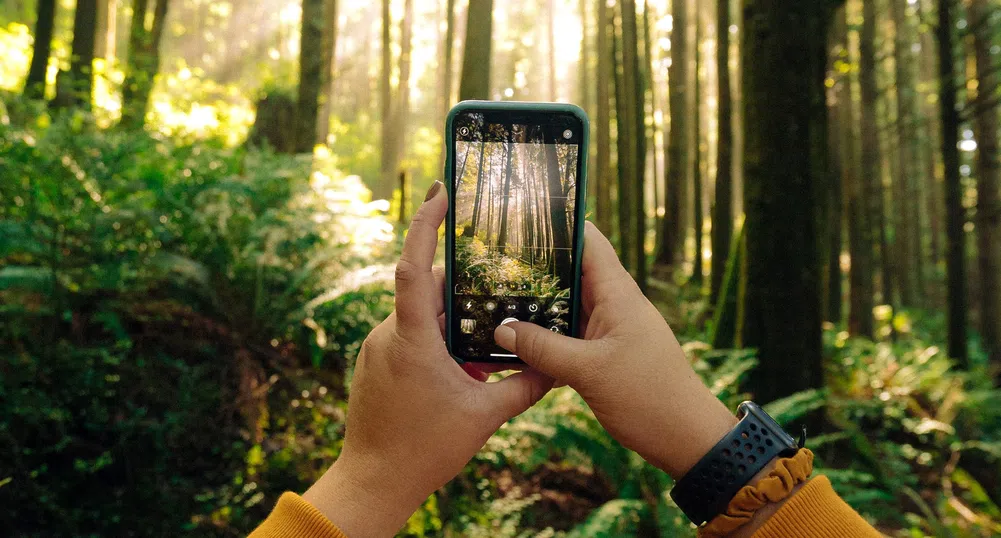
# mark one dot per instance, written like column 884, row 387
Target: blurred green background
column 202, row 202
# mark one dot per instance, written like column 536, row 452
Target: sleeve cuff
column 816, row 511
column 293, row 517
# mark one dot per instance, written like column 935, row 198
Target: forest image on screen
column 514, row 225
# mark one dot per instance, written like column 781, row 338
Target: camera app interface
column 515, row 194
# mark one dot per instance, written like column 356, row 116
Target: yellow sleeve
column 296, row 518
column 816, row 511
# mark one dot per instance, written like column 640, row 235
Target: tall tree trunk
column 672, row 233
column 624, row 146
column 697, row 273
column 505, row 200
column 584, row 63
column 632, row 79
column 558, row 213
column 955, row 259
column 988, row 222
column 551, row 47
column 384, row 189
column 909, row 237
column 603, row 179
column 840, row 113
column 329, row 63
column 861, row 246
column 78, row 87
column 475, row 78
column 651, row 86
column 34, row 87
column 311, row 58
column 471, row 230
column 870, row 190
column 722, row 215
column 400, row 113
column 143, row 62
column 933, row 202
column 781, row 316
column 446, row 62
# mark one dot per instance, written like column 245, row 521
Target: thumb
column 517, row 392
column 555, row 355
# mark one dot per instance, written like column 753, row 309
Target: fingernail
column 506, row 337
column 433, row 191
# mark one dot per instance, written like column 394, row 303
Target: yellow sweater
column 815, row 511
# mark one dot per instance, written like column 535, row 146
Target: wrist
column 360, row 497
column 694, row 423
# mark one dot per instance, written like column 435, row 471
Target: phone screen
column 515, row 205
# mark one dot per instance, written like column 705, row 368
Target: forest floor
column 490, row 272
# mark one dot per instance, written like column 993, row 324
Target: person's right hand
column 629, row 367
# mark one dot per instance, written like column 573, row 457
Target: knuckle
column 406, row 270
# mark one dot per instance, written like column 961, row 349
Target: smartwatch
column 707, row 488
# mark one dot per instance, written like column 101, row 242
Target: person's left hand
column 415, row 417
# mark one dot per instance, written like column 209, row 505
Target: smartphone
column 515, row 174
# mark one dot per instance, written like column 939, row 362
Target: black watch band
column 706, row 490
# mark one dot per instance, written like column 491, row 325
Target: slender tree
column 551, row 47
column 672, row 232
column 34, row 87
column 603, row 179
column 697, row 273
column 311, row 57
column 446, row 61
column 558, row 213
column 329, row 63
column 76, row 86
column 871, row 169
column 722, row 215
column 955, row 258
column 633, row 95
column 471, row 230
column 781, row 315
column 143, row 61
column 988, row 221
column 475, row 78
column 625, row 146
column 502, row 233
column 387, row 130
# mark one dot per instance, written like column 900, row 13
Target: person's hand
column 629, row 367
column 415, row 417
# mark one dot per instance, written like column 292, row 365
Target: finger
column 494, row 367
column 602, row 273
column 555, row 355
column 474, row 372
column 517, row 392
column 416, row 304
column 441, row 325
column 439, row 286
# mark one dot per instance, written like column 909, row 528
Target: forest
column 202, row 203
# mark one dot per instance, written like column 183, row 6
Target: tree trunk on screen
column 143, row 62
column 76, row 86
column 624, row 146
column 558, row 214
column 475, row 79
column 471, row 230
column 781, row 315
column 908, row 166
column 988, row 221
column 329, row 63
column 311, row 57
column 722, row 213
column 446, row 62
column 697, row 275
column 490, row 201
column 603, row 172
column 672, row 233
column 502, row 229
column 34, row 87
column 955, row 259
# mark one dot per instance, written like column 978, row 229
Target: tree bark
column 446, row 75
column 311, row 59
column 471, row 230
column 722, row 213
column 505, row 200
column 329, row 63
column 603, row 179
column 783, row 80
column 558, row 214
column 955, row 259
column 870, row 189
column 624, row 146
column 143, row 62
column 632, row 79
column 78, row 87
column 988, row 216
column 34, row 87
column 697, row 273
column 384, row 189
column 909, row 237
column 672, row 233
column 475, row 78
